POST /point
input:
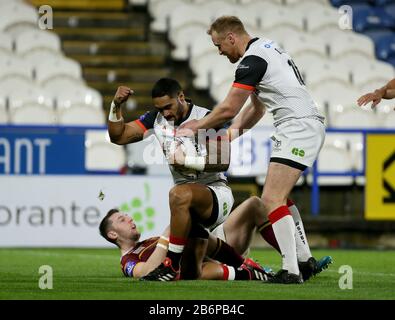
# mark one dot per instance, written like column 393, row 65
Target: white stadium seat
column 160, row 12
column 18, row 98
column 376, row 71
column 3, row 110
column 355, row 118
column 37, row 56
column 317, row 74
column 81, row 115
column 15, row 68
column 6, row 43
column 81, row 96
column 37, row 39
column 351, row 43
column 280, row 17
column 305, row 43
column 17, row 17
column 60, row 68
column 9, row 84
column 334, row 157
column 101, row 154
column 319, row 18
column 33, row 114
column 203, row 68
column 184, row 27
column 59, row 85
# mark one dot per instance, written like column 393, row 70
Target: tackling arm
column 247, row 118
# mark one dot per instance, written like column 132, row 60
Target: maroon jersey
column 139, row 253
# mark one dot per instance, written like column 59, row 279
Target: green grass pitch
column 95, row 274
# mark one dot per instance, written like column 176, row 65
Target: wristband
column 196, row 163
column 112, row 116
column 163, row 242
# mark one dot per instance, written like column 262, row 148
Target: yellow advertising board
column 380, row 177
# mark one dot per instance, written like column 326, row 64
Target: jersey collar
column 251, row 42
column 190, row 107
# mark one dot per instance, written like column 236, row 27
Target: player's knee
column 270, row 200
column 180, row 195
column 255, row 203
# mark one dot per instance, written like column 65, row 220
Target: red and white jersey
column 270, row 71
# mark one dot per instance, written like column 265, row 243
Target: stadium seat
column 353, row 59
column 101, row 154
column 355, row 118
column 82, row 95
column 385, row 47
column 305, row 43
column 60, row 68
column 9, row 84
column 386, row 114
column 370, row 18
column 279, row 35
column 18, row 17
column 376, row 71
column 220, row 90
column 351, row 43
column 319, row 18
column 37, row 39
column 317, row 74
column 203, row 68
column 33, row 95
column 280, row 17
column 58, row 86
column 36, row 57
column 160, row 12
column 184, row 27
column 6, row 43
column 33, row 114
column 15, row 68
column 371, row 86
column 81, row 115
column 335, row 96
column 3, row 110
column 334, row 158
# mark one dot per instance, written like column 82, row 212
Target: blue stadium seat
column 367, row 18
column 385, row 47
column 338, row 3
column 391, row 60
column 382, row 2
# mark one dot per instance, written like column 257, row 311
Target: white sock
column 302, row 246
column 284, row 230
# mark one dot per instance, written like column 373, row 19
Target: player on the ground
column 268, row 75
column 141, row 257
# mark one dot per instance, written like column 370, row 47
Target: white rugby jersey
column 165, row 133
column 269, row 71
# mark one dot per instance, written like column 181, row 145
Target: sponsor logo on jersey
column 129, row 266
column 242, row 66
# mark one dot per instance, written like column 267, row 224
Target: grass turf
column 95, row 274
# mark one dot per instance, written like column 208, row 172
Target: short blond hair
column 227, row 24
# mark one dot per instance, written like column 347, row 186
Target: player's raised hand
column 122, row 95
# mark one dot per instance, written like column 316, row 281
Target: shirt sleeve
column 250, row 72
column 129, row 267
column 147, row 120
